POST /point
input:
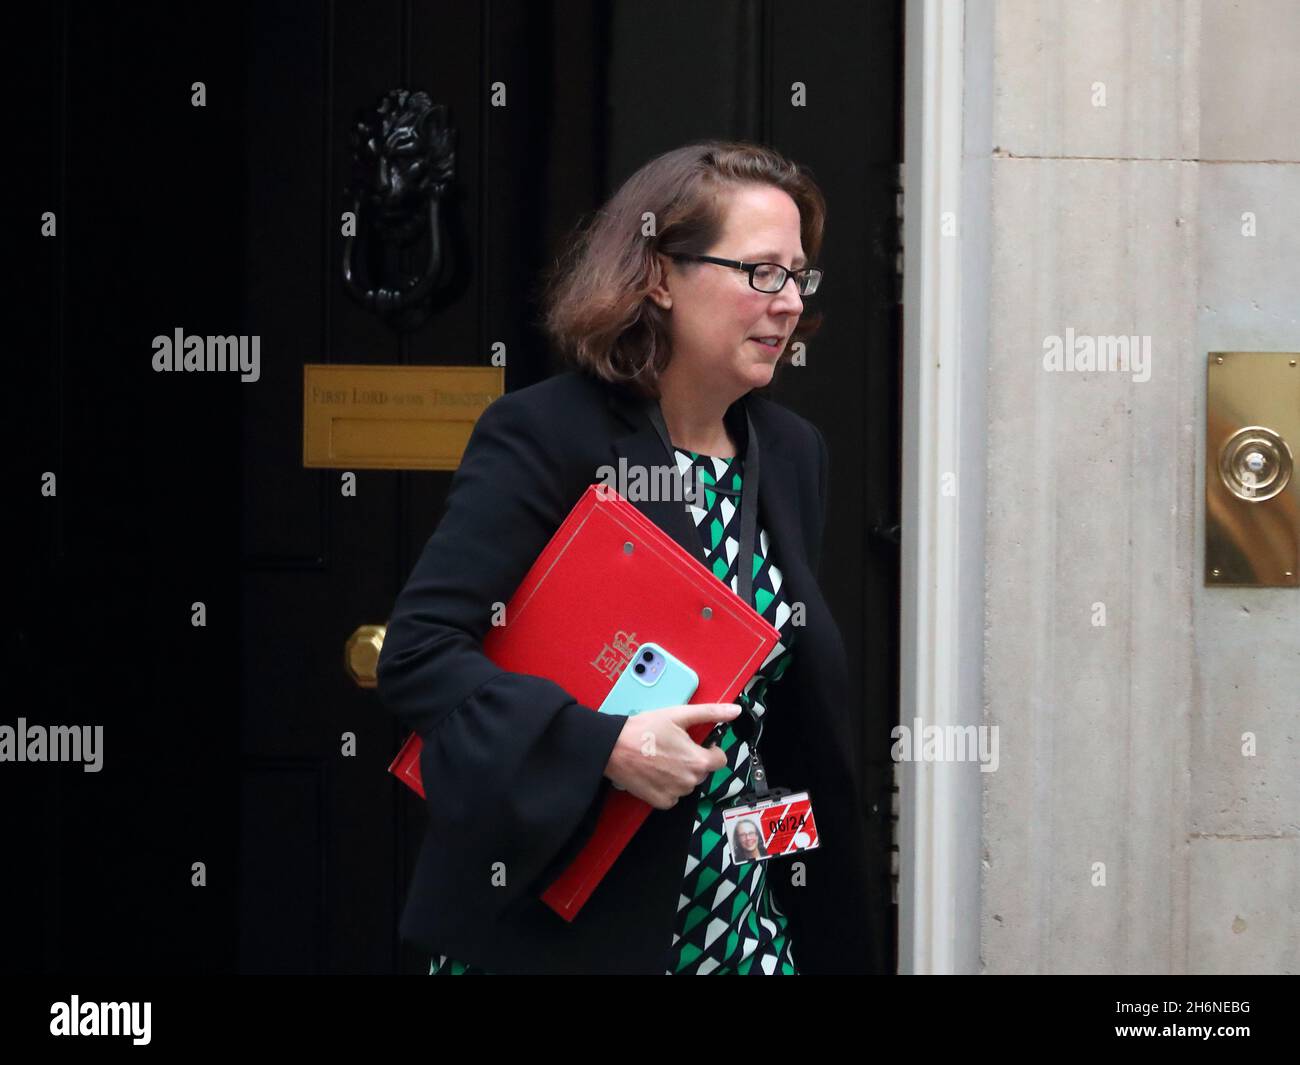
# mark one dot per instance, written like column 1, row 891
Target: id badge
column 770, row 828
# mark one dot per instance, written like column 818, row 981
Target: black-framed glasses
column 769, row 278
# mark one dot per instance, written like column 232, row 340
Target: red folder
column 577, row 619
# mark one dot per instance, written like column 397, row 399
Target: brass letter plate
column 392, row 417
column 1252, row 488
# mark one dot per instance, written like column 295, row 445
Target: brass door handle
column 361, row 654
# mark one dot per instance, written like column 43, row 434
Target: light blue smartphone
column 652, row 680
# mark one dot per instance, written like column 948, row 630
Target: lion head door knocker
column 403, row 162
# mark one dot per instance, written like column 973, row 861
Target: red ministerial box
column 577, row 618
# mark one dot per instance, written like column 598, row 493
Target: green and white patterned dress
column 728, row 919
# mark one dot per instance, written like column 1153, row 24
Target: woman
column 672, row 327
column 748, row 843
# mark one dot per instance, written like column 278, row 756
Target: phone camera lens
column 648, row 656
column 639, row 668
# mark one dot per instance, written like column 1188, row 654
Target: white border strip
column 941, row 642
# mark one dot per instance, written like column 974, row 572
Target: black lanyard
column 744, row 558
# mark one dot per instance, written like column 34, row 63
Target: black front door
column 189, row 585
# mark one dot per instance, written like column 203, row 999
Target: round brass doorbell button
column 1255, row 463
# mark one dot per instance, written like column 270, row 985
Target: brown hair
column 596, row 310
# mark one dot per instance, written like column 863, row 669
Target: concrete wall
column 1121, row 742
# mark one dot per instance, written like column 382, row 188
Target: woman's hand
column 655, row 758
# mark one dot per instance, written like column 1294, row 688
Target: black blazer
column 513, row 766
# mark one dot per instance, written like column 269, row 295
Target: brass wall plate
column 392, row 417
column 1252, row 488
